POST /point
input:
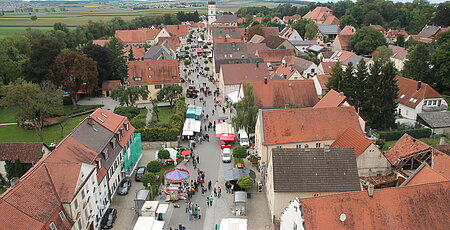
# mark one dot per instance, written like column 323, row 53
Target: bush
column 206, row 68
column 205, row 47
column 138, row 123
column 159, row 134
column 130, row 111
column 67, row 101
column 206, row 62
column 245, row 182
column 154, row 166
column 395, row 135
column 163, row 154
column 240, row 152
column 149, row 179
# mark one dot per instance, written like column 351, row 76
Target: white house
column 399, row 56
column 291, row 217
column 416, row 97
column 290, row 34
column 320, row 81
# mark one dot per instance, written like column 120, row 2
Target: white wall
column 318, row 87
column 291, row 217
column 372, row 162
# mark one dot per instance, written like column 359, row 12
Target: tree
column 417, row 64
column 361, row 79
column 33, row 18
column 349, row 84
column 149, row 179
column 60, row 26
column 103, row 57
column 170, row 93
column 18, row 168
column 32, row 103
column 154, row 166
column 155, row 108
column 130, row 111
column 255, row 29
column 129, row 95
column 439, row 61
column 336, row 79
column 119, row 62
column 300, row 26
column 245, row 182
column 383, row 54
column 366, row 40
column 74, row 72
column 311, row 30
column 43, row 54
column 373, row 18
column 348, row 20
column 240, row 152
column 131, row 55
column 442, row 14
column 246, row 111
column 400, row 40
column 163, row 154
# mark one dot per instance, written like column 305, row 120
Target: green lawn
column 447, row 99
column 164, row 114
column 429, row 141
column 12, row 133
column 6, row 115
column 2, row 190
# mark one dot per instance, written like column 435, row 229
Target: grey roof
column 355, row 59
column 277, row 77
column 273, row 42
column 314, row 170
column 226, row 18
column 224, row 32
column 303, row 43
column 430, row 30
column 436, row 119
column 236, row 52
column 284, row 30
column 158, row 53
column 398, row 52
column 329, row 29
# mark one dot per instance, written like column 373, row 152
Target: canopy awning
column 235, row 173
column 188, row 133
column 224, row 128
column 190, row 126
column 199, row 50
column 228, row 137
column 240, row 197
column 192, row 109
column 234, row 97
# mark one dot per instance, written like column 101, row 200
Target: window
column 294, row 227
column 439, row 102
column 149, row 76
column 313, row 70
column 158, row 86
column 75, row 203
column 174, row 77
column 113, row 143
column 79, row 224
column 317, row 145
column 298, row 146
column 434, row 102
column 316, row 194
column 138, row 78
column 62, row 216
column 82, row 194
column 279, row 147
column 52, row 226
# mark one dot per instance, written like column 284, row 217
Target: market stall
column 175, row 189
column 190, row 127
column 224, row 128
column 240, row 203
column 194, row 111
column 173, row 155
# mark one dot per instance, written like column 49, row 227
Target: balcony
column 434, row 108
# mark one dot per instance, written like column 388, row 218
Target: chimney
column 419, row 85
column 265, row 80
column 341, row 94
column 370, row 190
column 90, row 120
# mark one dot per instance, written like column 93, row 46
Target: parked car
column 140, row 171
column 243, row 138
column 108, row 218
column 124, row 186
column 226, row 155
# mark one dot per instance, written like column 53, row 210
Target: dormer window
column 52, row 226
column 174, row 77
column 402, row 96
column 105, row 155
column 113, row 143
column 121, row 132
column 118, row 136
column 62, row 216
column 138, row 78
column 126, row 125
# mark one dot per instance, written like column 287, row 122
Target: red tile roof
column 226, row 40
column 441, row 163
column 317, row 14
column 323, row 79
column 70, row 150
column 348, row 30
column 352, row 139
column 410, row 207
column 293, row 18
column 138, row 53
column 174, row 40
column 111, row 84
column 177, row 30
column 114, row 123
column 331, row 99
column 307, row 124
column 344, row 40
column 234, row 74
column 13, row 218
column 270, row 31
column 331, row 20
column 278, row 93
column 241, row 20
column 100, row 42
column 392, row 34
column 405, row 146
column 26, row 152
column 258, row 19
column 424, row 175
column 65, row 183
column 153, row 72
column 378, row 27
column 408, row 88
column 327, row 66
column 140, row 35
column 274, row 55
column 345, row 55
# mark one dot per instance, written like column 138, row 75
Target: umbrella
column 199, row 50
column 224, row 118
column 186, row 152
column 176, row 174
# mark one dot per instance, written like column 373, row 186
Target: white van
column 226, row 155
column 243, row 138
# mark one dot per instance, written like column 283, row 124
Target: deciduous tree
column 240, row 152
column 417, row 65
column 43, row 54
column 366, row 40
column 129, row 95
column 170, row 93
column 383, row 54
column 311, row 30
column 103, row 57
column 154, row 166
column 245, row 182
column 246, row 111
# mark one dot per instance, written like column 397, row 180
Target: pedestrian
column 190, row 215
column 223, row 109
column 219, row 192
column 198, row 159
column 203, row 191
column 232, row 188
column 209, row 185
column 207, row 201
column 213, row 112
column 227, row 187
column 211, row 201
column 215, row 192
column 199, row 213
column 194, row 164
column 187, row 206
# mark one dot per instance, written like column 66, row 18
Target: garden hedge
column 395, row 135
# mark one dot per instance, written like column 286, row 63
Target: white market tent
column 224, row 128
column 233, row 224
column 143, row 222
column 190, row 126
column 172, row 152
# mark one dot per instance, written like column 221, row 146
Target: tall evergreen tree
column 361, row 85
column 348, row 83
column 335, row 81
column 388, row 93
column 417, row 65
column 119, row 63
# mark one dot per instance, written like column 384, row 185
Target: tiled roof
column 436, row 119
column 237, row 49
column 327, row 66
column 276, row 94
column 273, row 42
column 256, row 39
column 352, row 139
column 348, row 30
column 273, row 55
column 398, row 52
column 410, row 207
column 225, row 39
column 297, row 63
column 26, row 152
column 394, row 33
column 65, row 183
column 294, row 17
column 140, row 35
column 153, row 72
column 138, row 53
column 423, row 175
column 241, row 20
column 225, row 33
column 174, row 40
column 378, row 27
column 323, row 79
column 429, row 30
column 405, row 146
column 226, row 18
column 355, row 59
column 331, row 99
column 409, row 95
column 258, row 19
column 13, row 218
column 70, row 150
column 114, row 123
column 111, row 84
column 341, row 55
column 308, row 124
column 270, row 31
column 158, row 53
column 445, row 148
column 331, row 20
column 317, row 13
column 177, row 30
column 237, row 73
column 100, row 42
column 441, row 163
column 314, row 170
column 344, row 40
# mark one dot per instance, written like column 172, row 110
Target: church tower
column 212, row 14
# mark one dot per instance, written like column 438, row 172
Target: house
column 272, row 94
column 274, row 56
column 355, row 59
column 173, row 43
column 416, row 97
column 332, row 99
column 439, row 122
column 327, row 33
column 342, row 40
column 393, row 34
column 369, row 159
column 326, row 67
column 138, row 53
column 226, row 20
column 108, row 86
column 320, row 82
column 306, row 172
column 301, row 46
column 225, row 32
column 399, row 56
column 227, row 40
column 290, row 34
column 322, row 15
column 153, row 74
column 315, row 49
column 256, row 39
column 28, row 153
column 388, row 208
column 305, row 128
column 180, row 31
column 241, row 20
column 338, row 56
column 295, row 68
column 140, row 36
column 101, row 43
column 159, row 53
column 428, row 34
column 291, row 19
column 235, row 53
column 270, row 31
column 231, row 76
column 379, row 28
column 275, row 42
column 277, row 20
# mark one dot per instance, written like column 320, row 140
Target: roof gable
column 273, row 42
column 317, row 13
column 273, row 55
column 141, row 35
column 114, row 123
column 65, row 183
column 423, row 175
column 405, row 146
column 237, row 73
column 153, row 72
column 352, row 139
column 331, row 99
column 409, row 95
column 177, row 30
